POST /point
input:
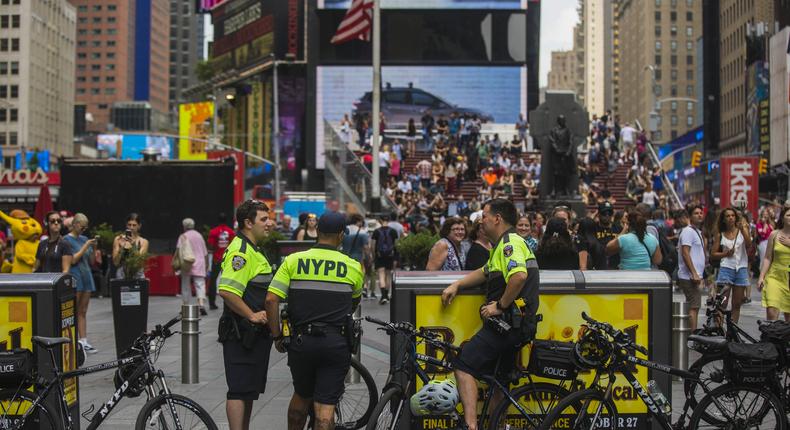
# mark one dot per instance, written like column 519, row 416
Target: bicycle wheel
column 14, row 407
column 359, row 398
column 585, row 409
column 739, row 407
column 711, row 374
column 537, row 399
column 388, row 411
column 163, row 411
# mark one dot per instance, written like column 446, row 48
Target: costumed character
column 27, row 232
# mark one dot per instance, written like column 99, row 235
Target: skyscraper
column 37, row 42
column 186, row 49
column 122, row 56
column 598, row 55
column 562, row 75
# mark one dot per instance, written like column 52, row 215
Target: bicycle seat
column 711, row 341
column 50, row 342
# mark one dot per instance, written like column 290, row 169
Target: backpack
column 385, row 246
column 669, row 262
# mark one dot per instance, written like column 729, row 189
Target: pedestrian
column 524, row 229
column 308, row 230
column 285, row 227
column 383, row 245
column 246, row 342
column 356, row 243
column 773, row 280
column 51, row 250
column 79, row 259
column 555, row 250
column 592, row 255
column 765, row 226
column 449, row 252
column 219, row 238
column 638, row 249
column 193, row 274
column 512, row 278
column 127, row 243
column 320, row 308
column 605, row 231
column 480, row 249
column 692, row 260
column 729, row 246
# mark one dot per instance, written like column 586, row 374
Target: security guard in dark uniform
column 246, row 343
column 511, row 277
column 323, row 287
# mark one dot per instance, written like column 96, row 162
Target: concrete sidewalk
column 270, row 409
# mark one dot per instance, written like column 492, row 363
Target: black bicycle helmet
column 593, row 350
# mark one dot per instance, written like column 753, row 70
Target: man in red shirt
column 218, row 239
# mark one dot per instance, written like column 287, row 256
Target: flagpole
column 375, row 204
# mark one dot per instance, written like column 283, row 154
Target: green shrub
column 106, row 237
column 415, row 248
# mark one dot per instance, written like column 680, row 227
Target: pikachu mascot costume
column 27, row 232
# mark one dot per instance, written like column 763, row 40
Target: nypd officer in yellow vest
column 323, row 287
column 246, row 343
column 511, row 278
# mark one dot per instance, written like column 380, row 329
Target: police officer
column 323, row 287
column 511, row 278
column 246, row 343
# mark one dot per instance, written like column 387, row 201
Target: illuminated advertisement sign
column 207, row 5
column 432, row 4
column 194, row 127
column 131, row 146
column 561, row 322
column 740, row 183
column 494, row 94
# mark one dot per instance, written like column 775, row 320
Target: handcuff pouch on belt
column 235, row 328
column 515, row 320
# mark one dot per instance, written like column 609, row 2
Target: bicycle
column 608, row 351
column 137, row 374
column 529, row 402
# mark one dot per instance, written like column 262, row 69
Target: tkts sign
column 740, row 181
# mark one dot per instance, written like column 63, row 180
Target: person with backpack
column 730, row 246
column 356, row 244
column 384, row 255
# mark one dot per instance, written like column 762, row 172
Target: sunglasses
column 55, row 221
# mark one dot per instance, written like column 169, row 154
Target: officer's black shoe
column 213, row 307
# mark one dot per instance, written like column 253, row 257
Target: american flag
column 356, row 24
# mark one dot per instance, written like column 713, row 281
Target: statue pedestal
column 548, row 204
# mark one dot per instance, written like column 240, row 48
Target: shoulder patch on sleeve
column 238, row 262
column 508, row 250
column 511, row 265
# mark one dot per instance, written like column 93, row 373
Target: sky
column 558, row 17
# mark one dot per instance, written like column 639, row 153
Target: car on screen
column 401, row 103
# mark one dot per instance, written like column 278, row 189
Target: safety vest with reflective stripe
column 320, row 285
column 245, row 272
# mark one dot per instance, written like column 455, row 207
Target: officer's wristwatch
column 499, row 306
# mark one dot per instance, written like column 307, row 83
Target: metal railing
column 348, row 180
column 668, row 185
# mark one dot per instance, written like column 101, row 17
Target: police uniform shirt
column 245, row 272
column 319, row 284
column 511, row 255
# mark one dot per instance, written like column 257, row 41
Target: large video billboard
column 432, row 4
column 131, row 146
column 496, row 94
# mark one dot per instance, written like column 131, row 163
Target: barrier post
column 681, row 328
column 190, row 329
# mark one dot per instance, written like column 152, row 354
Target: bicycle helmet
column 592, row 351
column 123, row 373
column 435, row 397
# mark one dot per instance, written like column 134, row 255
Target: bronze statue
column 563, row 156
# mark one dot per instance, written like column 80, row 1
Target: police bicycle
column 136, row 374
column 742, row 404
column 524, row 407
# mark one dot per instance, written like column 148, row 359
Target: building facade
column 578, row 49
column 37, row 43
column 122, row 55
column 186, row 49
column 735, row 16
column 598, row 55
column 562, row 75
column 656, row 64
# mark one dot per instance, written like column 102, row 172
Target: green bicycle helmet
column 435, row 397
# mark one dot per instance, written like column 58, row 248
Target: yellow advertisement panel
column 194, row 129
column 16, row 322
column 561, row 321
column 69, row 357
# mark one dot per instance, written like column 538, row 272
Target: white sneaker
column 88, row 347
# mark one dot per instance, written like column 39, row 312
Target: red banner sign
column 29, row 177
column 740, row 181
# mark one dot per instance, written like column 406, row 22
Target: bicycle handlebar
column 409, row 330
column 621, row 338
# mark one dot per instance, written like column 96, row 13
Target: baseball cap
column 606, row 207
column 332, row 222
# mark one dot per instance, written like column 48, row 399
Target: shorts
column 246, row 370
column 479, row 356
column 387, row 263
column 319, row 365
column 692, row 291
column 729, row 276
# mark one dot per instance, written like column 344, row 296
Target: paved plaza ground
column 269, row 412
